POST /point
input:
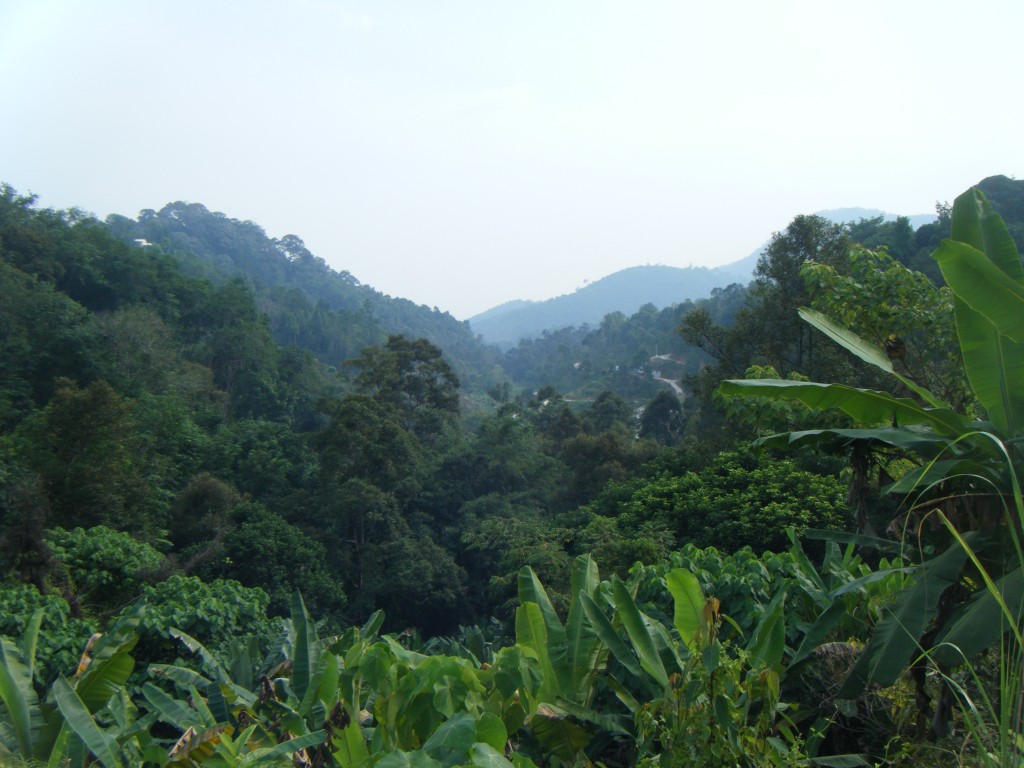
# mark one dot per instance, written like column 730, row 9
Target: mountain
column 308, row 304
column 625, row 291
column 629, row 289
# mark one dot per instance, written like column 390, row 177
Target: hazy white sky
column 462, row 154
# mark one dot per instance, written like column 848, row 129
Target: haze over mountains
column 629, row 289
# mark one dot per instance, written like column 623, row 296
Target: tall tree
column 411, row 377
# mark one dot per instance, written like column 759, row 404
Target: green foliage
column 976, row 462
column 412, row 377
column 63, row 726
column 891, row 307
column 662, row 419
column 263, row 550
column 741, row 499
column 81, row 446
column 214, row 613
column 620, row 355
column 45, row 335
column 105, row 569
column 308, row 304
column 61, row 637
column 365, row 439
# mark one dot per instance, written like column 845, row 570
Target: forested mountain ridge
column 309, row 304
column 157, row 442
column 624, row 291
column 629, row 289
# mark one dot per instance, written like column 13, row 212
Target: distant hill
column 309, row 304
column 628, row 290
column 625, row 291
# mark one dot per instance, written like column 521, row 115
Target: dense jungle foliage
column 208, row 436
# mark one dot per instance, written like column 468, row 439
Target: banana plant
column 970, row 465
column 570, row 659
column 22, row 718
column 62, row 727
column 693, row 698
column 246, row 712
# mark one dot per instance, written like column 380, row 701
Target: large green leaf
column 918, row 439
column 173, row 711
column 306, row 652
column 532, row 591
column 867, row 406
column 610, row 637
column 531, row 633
column 30, row 640
column 895, row 639
column 584, row 652
column 210, row 662
column 103, row 679
column 585, row 576
column 989, row 309
column 980, row 622
column 866, row 351
column 611, row 723
column 884, row 546
column 639, row 635
column 689, row 600
column 487, row 756
column 454, row 737
column 272, row 755
column 975, row 222
column 80, row 721
column 768, row 642
column 818, row 631
column 490, row 729
column 350, row 747
column 416, row 759
column 559, row 734
column 183, row 676
column 120, row 638
column 111, row 663
column 18, row 696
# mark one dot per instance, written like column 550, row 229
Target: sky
column 464, row 154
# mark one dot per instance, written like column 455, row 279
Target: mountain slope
column 309, row 304
column 629, row 289
column 625, row 291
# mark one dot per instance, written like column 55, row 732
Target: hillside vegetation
column 255, row 513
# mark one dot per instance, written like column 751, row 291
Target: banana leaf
column 103, row 679
column 895, row 639
column 975, row 222
column 532, row 591
column 990, row 325
column 19, row 697
column 885, row 546
column 80, row 721
column 817, row 632
column 182, row 676
column 638, row 633
column 269, row 755
column 689, row 600
column 306, row 669
column 768, row 642
column 866, row 351
column 531, row 633
column 979, row 622
column 210, row 662
column 867, row 406
column 618, row 647
column 917, row 439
